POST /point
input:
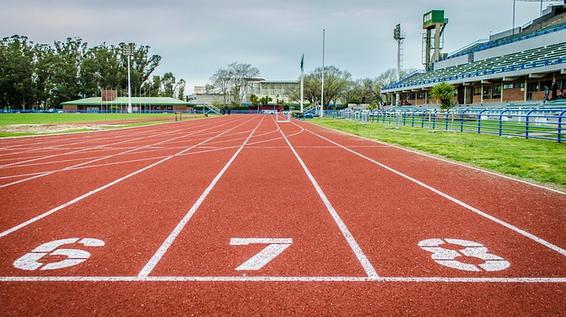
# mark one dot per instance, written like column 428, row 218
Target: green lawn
column 63, row 118
column 540, row 161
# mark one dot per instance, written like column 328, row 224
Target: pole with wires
column 322, row 85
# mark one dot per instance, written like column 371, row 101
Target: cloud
column 196, row 37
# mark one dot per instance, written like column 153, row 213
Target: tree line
column 42, row 76
column 339, row 86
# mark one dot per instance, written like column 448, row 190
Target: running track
column 244, row 215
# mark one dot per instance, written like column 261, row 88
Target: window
column 496, row 92
column 487, row 92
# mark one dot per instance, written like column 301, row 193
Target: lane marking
column 448, row 257
column 302, row 279
column 453, row 199
column 115, row 136
column 111, row 155
column 85, row 136
column 275, row 246
column 92, row 192
column 31, row 260
column 360, row 255
column 150, row 265
column 80, row 150
column 448, row 161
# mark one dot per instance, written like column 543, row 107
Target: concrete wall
column 70, row 108
column 460, row 60
column 519, row 46
column 513, row 94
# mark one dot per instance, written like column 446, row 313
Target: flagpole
column 322, row 86
column 302, row 82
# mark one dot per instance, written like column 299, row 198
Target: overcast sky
column 196, row 37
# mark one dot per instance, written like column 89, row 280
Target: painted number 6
column 33, row 260
column 448, row 257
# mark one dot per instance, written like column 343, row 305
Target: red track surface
column 174, row 203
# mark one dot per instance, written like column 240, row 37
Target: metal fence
column 545, row 123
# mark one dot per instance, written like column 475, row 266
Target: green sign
column 433, row 17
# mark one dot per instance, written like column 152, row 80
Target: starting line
column 522, row 280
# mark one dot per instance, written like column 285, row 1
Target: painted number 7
column 273, row 249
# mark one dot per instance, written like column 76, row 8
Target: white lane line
column 85, row 136
column 116, row 135
column 108, row 156
column 87, row 139
column 448, row 161
column 453, row 199
column 81, row 150
column 360, row 255
column 146, row 270
column 301, row 279
column 92, row 192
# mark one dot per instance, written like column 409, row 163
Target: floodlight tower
column 399, row 37
column 129, row 51
column 433, row 20
column 322, row 84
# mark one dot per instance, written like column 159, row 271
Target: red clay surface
column 168, row 200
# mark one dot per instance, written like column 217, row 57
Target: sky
column 197, row 37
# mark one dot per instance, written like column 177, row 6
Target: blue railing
column 544, row 123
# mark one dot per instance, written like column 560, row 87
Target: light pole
column 302, row 81
column 129, row 51
column 322, row 86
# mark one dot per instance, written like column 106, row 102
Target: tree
column 221, row 80
column 444, row 93
column 363, row 91
column 168, row 84
column 45, row 75
column 233, row 80
column 264, row 101
column 16, row 71
column 336, row 84
column 254, row 100
column 240, row 77
column 180, row 89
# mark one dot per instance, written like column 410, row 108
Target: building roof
column 529, row 61
column 123, row 101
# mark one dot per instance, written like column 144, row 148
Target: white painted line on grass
column 453, row 199
column 296, row 279
column 146, row 270
column 360, row 255
column 92, row 192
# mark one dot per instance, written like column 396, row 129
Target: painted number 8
column 448, row 257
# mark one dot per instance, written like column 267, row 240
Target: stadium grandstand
column 515, row 66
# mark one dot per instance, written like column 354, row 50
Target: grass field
column 540, row 161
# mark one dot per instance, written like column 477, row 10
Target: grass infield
column 534, row 160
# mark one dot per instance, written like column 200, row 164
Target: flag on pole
column 302, row 62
